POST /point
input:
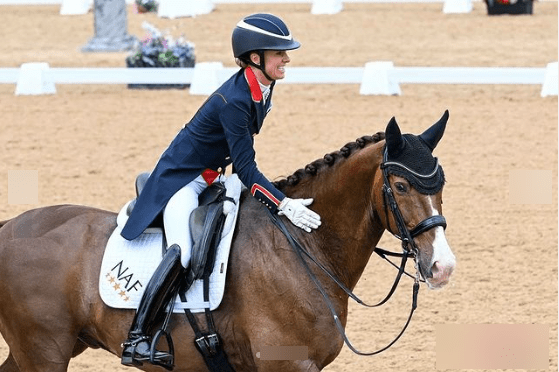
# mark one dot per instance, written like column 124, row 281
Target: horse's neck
column 350, row 230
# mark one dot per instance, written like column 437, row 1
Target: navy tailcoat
column 220, row 133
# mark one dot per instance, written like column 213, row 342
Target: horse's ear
column 394, row 140
column 433, row 135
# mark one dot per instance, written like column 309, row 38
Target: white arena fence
column 185, row 8
column 376, row 78
column 58, row 2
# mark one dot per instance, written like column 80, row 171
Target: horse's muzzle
column 442, row 262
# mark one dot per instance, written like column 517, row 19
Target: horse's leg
column 307, row 366
column 9, row 365
column 310, row 367
column 37, row 320
column 79, row 348
column 292, row 366
column 49, row 262
column 50, row 355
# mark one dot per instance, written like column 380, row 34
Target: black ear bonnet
column 416, row 164
column 411, row 157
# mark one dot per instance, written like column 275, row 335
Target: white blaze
column 443, row 260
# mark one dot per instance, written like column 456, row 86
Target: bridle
column 406, row 236
column 409, row 249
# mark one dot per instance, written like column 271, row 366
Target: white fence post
column 550, row 82
column 31, row 80
column 378, row 79
column 206, row 78
column 75, row 7
column 326, row 6
column 457, row 6
column 183, row 8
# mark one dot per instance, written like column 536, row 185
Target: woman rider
column 219, row 134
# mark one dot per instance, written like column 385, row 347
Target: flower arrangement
column 158, row 50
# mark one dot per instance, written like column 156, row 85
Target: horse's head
column 410, row 189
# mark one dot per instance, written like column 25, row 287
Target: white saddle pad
column 128, row 265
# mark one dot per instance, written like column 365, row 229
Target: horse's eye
column 401, row 187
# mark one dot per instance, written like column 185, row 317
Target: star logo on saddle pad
column 112, row 280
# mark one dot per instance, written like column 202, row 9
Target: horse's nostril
column 441, row 271
column 435, row 268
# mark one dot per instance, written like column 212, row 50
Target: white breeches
column 176, row 217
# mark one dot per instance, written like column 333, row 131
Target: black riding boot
column 157, row 295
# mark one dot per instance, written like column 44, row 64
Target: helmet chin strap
column 261, row 66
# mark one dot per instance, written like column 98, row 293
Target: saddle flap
column 206, row 223
column 200, row 217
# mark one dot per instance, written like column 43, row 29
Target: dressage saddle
column 206, row 223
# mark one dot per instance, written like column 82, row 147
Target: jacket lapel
column 256, row 94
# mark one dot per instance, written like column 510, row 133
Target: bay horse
column 50, row 258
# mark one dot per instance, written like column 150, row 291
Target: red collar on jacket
column 255, row 90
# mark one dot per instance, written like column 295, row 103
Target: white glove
column 299, row 214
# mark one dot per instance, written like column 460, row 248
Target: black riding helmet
column 260, row 32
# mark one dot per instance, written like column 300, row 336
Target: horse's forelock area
column 88, row 143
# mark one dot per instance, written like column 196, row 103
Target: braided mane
column 328, row 160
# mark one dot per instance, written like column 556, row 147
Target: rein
column 299, row 250
column 409, row 250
